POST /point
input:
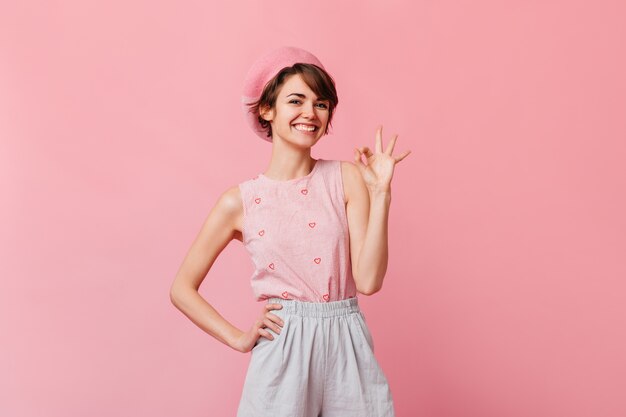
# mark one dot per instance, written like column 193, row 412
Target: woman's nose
column 308, row 112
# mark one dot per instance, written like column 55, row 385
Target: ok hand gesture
column 378, row 172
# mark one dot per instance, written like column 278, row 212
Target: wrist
column 380, row 193
column 234, row 338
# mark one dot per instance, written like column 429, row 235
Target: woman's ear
column 266, row 113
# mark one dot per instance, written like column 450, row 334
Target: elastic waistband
column 310, row 309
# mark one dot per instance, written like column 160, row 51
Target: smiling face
column 298, row 116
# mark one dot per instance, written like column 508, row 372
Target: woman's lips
column 304, row 130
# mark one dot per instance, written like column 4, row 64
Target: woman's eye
column 298, row 101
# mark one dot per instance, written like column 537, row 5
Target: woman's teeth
column 306, row 128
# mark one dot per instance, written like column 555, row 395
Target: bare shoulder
column 230, row 204
column 230, row 200
column 353, row 184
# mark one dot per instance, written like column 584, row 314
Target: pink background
column 120, row 126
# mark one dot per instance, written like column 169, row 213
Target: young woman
column 316, row 231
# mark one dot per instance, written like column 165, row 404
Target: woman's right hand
column 248, row 340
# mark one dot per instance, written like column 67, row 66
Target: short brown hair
column 315, row 77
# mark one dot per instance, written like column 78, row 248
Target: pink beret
column 263, row 70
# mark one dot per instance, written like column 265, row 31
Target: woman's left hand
column 378, row 172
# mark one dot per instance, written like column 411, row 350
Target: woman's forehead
column 297, row 88
column 295, row 84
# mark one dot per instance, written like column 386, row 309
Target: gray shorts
column 321, row 364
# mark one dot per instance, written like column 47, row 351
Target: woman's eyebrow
column 303, row 96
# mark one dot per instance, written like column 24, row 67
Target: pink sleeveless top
column 296, row 232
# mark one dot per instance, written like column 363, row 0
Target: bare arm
column 369, row 197
column 217, row 231
column 374, row 255
column 368, row 215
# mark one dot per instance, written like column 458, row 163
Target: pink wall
column 120, row 126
